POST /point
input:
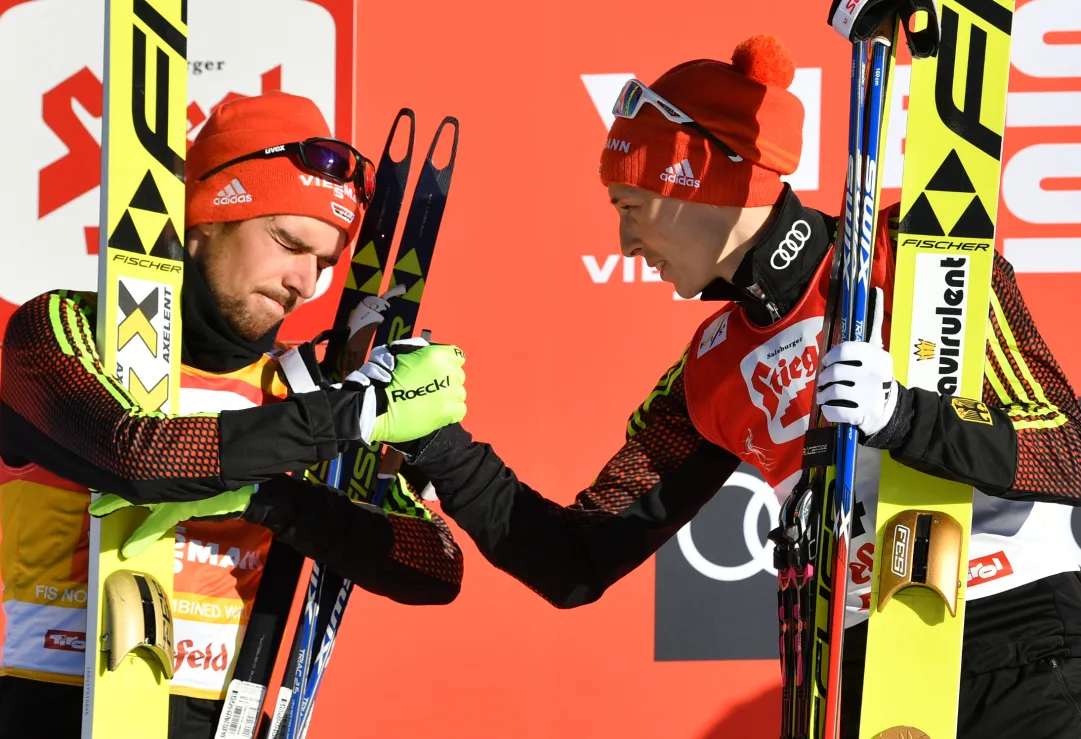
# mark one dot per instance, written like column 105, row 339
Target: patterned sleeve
column 653, row 485
column 401, row 550
column 1022, row 439
column 60, row 409
column 1026, row 385
column 422, row 541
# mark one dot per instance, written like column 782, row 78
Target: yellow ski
column 949, row 201
column 140, row 267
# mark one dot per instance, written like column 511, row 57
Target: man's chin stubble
column 247, row 326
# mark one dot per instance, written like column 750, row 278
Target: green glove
column 417, row 388
column 164, row 516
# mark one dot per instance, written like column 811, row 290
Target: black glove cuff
column 893, row 434
column 345, row 411
column 440, row 441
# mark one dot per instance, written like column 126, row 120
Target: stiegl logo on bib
column 779, row 376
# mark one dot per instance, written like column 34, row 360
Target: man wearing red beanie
column 272, row 200
column 693, row 166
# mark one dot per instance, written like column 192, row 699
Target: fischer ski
column 284, row 566
column 129, row 640
column 941, row 303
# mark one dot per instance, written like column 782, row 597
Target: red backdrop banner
column 564, row 336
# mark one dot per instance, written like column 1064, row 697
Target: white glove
column 856, row 384
column 381, row 361
column 370, row 310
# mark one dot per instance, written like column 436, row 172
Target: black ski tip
column 447, row 121
column 403, row 113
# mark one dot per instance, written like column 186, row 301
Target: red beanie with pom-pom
column 745, row 103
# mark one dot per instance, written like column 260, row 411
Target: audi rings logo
column 792, row 244
column 718, row 571
column 761, row 552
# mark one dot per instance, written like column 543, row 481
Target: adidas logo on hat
column 681, row 174
column 233, row 193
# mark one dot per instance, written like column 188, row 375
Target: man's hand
column 856, row 385
column 410, row 389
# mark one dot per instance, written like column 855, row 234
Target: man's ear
column 196, row 237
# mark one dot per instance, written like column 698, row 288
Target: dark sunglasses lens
column 369, row 180
column 331, row 158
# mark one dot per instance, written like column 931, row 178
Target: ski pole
column 855, row 288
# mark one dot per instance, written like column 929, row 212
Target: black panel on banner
column 700, row 617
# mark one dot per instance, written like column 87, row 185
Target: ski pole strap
column 859, row 20
column 301, row 368
column 851, row 18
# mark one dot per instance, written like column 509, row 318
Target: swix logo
column 342, row 192
column 779, row 376
column 67, row 641
column 988, row 568
column 210, row 657
column 193, row 550
column 330, row 634
column 431, row 387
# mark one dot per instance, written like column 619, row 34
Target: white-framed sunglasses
column 636, row 94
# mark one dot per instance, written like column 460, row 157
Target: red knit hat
column 746, row 104
column 262, row 187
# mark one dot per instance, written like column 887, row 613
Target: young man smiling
column 693, row 166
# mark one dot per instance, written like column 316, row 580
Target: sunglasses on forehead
column 635, row 95
column 330, row 158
